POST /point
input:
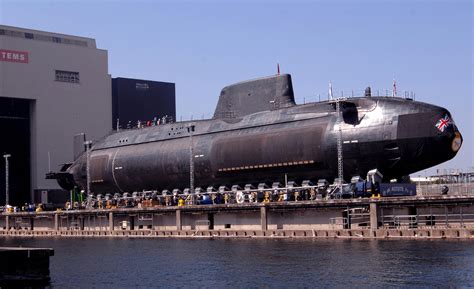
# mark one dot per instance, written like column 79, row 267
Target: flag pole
column 330, row 91
column 394, row 91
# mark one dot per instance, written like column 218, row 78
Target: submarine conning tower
column 262, row 94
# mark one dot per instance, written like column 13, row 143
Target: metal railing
column 339, row 222
column 202, row 225
column 436, row 189
column 452, row 220
column 350, row 93
column 360, row 217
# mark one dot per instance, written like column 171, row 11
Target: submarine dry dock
column 258, row 135
column 403, row 217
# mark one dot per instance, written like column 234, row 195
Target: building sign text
column 13, row 56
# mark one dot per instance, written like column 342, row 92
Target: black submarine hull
column 397, row 136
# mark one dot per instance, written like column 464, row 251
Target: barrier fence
column 454, row 189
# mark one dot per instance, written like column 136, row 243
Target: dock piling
column 374, row 222
column 178, row 220
column 7, row 223
column 56, row 222
column 111, row 222
column 263, row 218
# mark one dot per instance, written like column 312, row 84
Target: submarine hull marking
column 114, row 168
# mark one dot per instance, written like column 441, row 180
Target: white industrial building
column 52, row 87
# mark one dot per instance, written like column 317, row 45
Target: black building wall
column 136, row 99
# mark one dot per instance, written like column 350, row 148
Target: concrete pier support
column 56, row 222
column 111, row 221
column 7, row 223
column 263, row 218
column 179, row 219
column 374, row 216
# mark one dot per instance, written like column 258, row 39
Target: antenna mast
column 340, row 171
column 191, row 158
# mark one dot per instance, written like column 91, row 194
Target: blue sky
column 204, row 45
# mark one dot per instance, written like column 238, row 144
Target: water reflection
column 107, row 263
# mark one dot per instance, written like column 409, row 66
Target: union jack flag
column 443, row 123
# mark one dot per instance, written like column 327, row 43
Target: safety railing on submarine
column 406, row 94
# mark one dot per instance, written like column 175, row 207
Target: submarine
column 258, row 134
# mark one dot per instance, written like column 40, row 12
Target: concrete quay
column 392, row 218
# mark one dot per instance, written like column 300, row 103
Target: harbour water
column 255, row 263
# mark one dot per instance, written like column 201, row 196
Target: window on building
column 67, row 76
column 2, row 31
column 29, row 35
column 66, row 41
column 14, row 33
column 43, row 37
column 80, row 43
column 56, row 39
